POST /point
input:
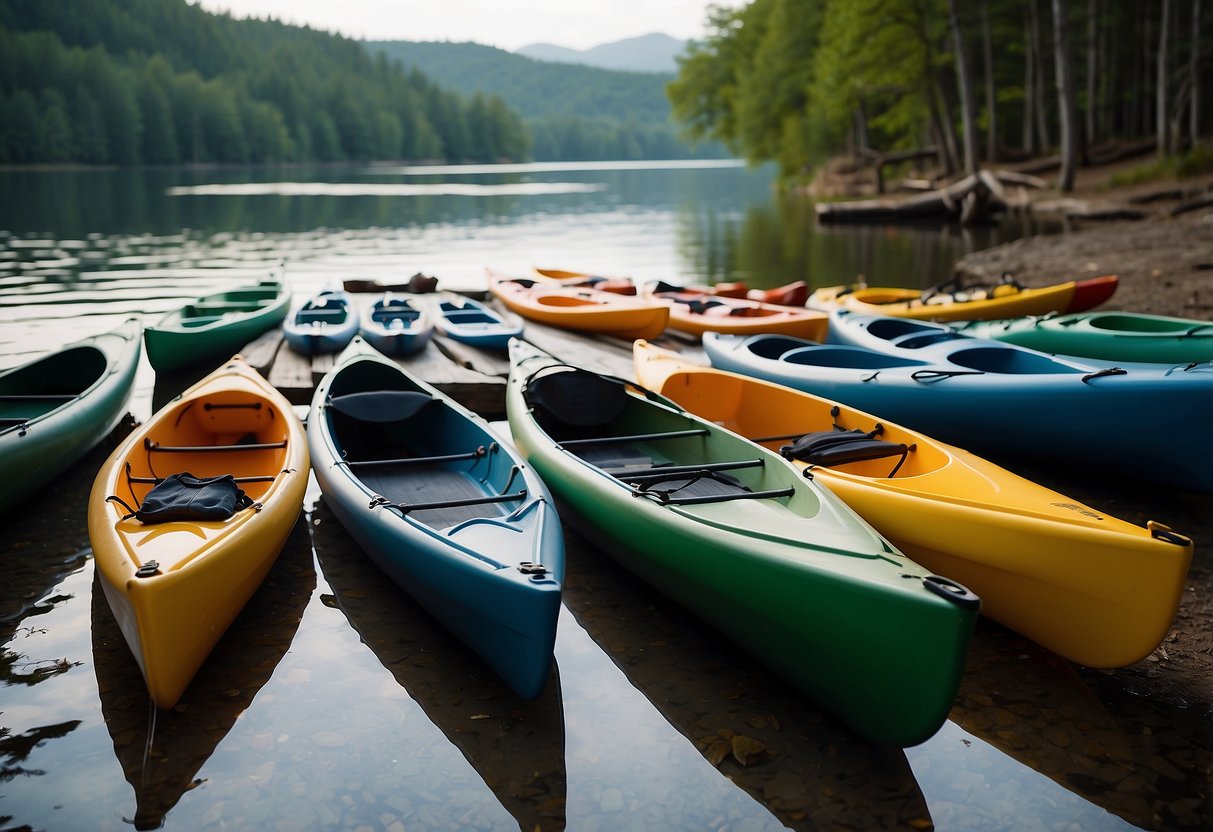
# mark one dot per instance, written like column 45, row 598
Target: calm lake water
column 336, row 703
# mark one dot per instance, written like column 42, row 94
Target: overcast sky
column 508, row 24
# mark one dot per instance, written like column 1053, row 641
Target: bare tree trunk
column 964, row 83
column 991, row 110
column 1161, row 121
column 1107, row 61
column 1067, row 112
column 1147, row 80
column 1042, row 126
column 1194, row 72
column 1092, row 66
column 861, row 125
column 948, row 125
column 1029, row 91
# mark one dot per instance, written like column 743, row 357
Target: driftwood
column 879, row 160
column 1011, row 177
column 971, row 200
column 1203, row 201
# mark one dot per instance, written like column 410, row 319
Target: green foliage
column 790, row 80
column 162, row 82
column 1196, row 162
column 573, row 112
column 749, row 82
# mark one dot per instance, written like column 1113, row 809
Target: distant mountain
column 648, row 53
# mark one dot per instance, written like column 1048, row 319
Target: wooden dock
column 472, row 376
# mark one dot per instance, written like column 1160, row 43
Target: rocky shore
column 1165, row 263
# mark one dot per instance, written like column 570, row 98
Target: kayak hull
column 175, row 587
column 324, row 324
column 1106, row 336
column 55, row 408
column 1002, row 301
column 582, row 310
column 1094, row 589
column 396, row 326
column 207, row 330
column 782, row 576
column 476, row 324
column 491, row 572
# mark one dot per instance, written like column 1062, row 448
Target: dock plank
column 474, row 377
column 260, row 352
column 480, row 393
column 291, row 373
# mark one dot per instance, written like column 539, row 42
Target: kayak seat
column 698, row 306
column 775, row 346
column 916, row 340
column 830, row 448
column 380, row 405
column 469, row 316
column 576, row 399
column 890, row 329
column 315, row 314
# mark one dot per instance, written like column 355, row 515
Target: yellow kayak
column 1097, row 590
column 175, row 585
column 582, row 309
column 1002, row 300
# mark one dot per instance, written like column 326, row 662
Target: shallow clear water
column 336, row 703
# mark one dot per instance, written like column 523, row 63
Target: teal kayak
column 55, row 408
column 1143, row 421
column 450, row 513
column 214, row 327
column 734, row 533
column 472, row 322
column 396, row 326
column 325, row 323
column 1107, row 336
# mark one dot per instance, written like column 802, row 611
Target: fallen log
column 970, row 200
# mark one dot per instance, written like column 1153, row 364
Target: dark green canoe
column 735, row 533
column 212, row 328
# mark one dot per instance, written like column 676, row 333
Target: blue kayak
column 1146, row 421
column 451, row 514
column 471, row 322
column 396, row 326
column 325, row 323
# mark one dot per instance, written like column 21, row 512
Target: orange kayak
column 585, row 280
column 696, row 313
column 579, row 308
column 790, row 294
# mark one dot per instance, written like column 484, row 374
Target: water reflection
column 657, row 714
column 1033, row 707
column 161, row 751
column 516, row 746
column 803, row 765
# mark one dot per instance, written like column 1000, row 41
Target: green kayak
column 55, row 408
column 212, row 328
column 733, row 532
column 1111, row 336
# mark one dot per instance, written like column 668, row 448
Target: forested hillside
column 977, row 82
column 163, row 82
column 574, row 112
